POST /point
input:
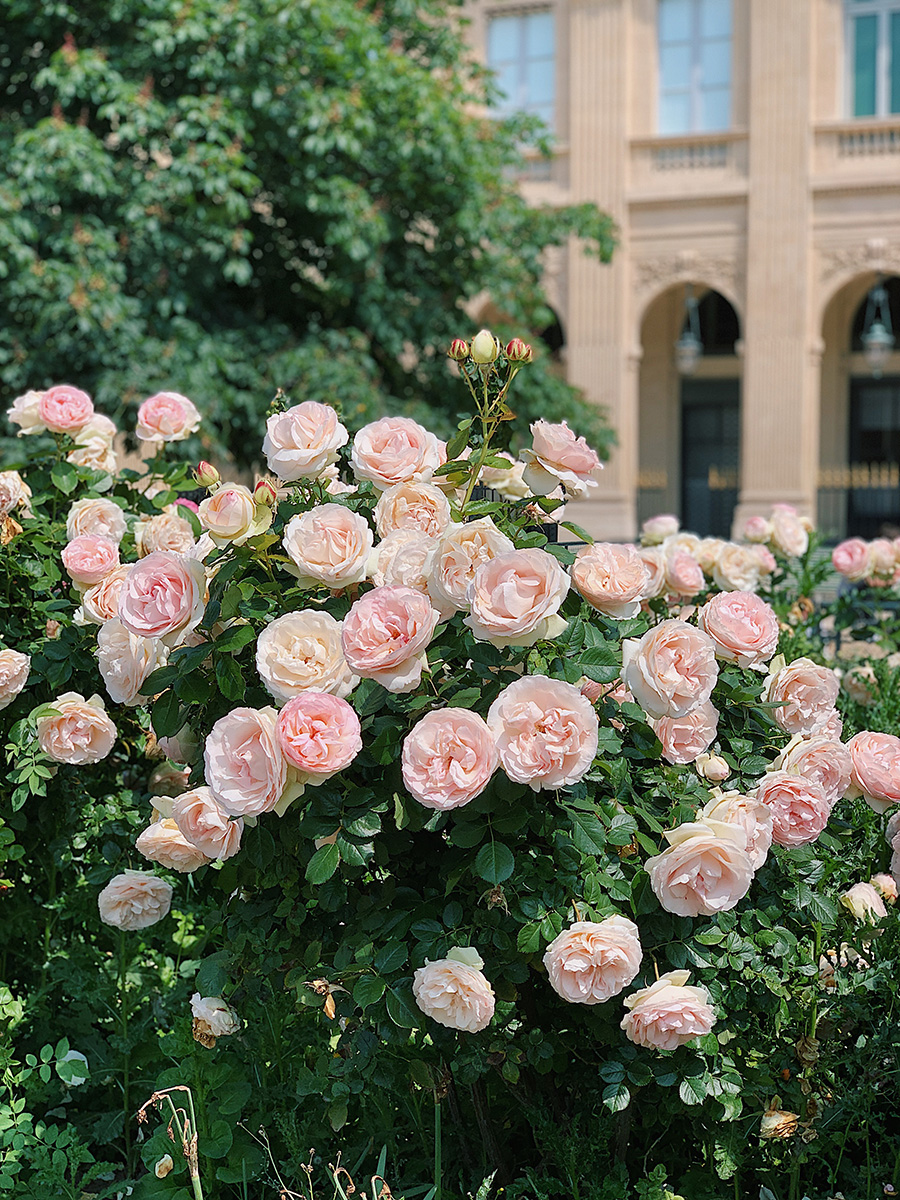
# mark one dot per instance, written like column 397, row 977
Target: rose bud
column 459, row 350
column 265, row 494
column 207, row 475
column 518, row 351
column 485, row 348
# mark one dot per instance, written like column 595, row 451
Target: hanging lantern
column 878, row 336
column 689, row 347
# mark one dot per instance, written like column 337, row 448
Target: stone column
column 780, row 402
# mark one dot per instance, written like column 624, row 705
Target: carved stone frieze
column 687, row 266
column 875, row 254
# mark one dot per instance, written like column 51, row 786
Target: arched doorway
column 690, row 423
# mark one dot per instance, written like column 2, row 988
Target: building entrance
column 873, row 495
column 710, row 454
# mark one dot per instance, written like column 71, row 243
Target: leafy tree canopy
column 221, row 198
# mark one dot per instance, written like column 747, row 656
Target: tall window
column 873, row 43
column 522, row 51
column 694, row 66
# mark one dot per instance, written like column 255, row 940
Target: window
column 873, row 45
column 694, row 66
column 521, row 49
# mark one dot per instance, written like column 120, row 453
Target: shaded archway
column 689, row 427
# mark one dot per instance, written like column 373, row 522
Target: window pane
column 865, row 45
column 503, row 40
column 507, row 81
column 715, row 63
column 675, row 23
column 674, row 112
column 539, row 83
column 715, row 109
column 895, row 62
column 539, row 35
column 715, row 18
column 674, row 66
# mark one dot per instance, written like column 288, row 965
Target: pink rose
column 454, row 992
column 102, row 518
column 127, row 661
column 164, row 843
column 205, row 824
column 245, row 768
column 385, row 635
column 705, row 869
column 395, row 450
column 882, row 558
column 303, row 442
column 668, row 1014
column 656, row 529
column 592, row 961
column 851, row 559
column 800, row 808
column 167, row 417
column 460, row 552
column 757, row 529
column 168, row 532
column 64, row 409
column 134, row 900
column 448, row 758
column 100, row 603
column 789, row 534
column 805, row 694
column 545, row 730
column 419, row 506
column 655, row 565
column 515, row 598
column 765, row 560
column 684, row 575
column 302, row 651
column 405, row 558
column 80, row 733
column 707, row 553
column 822, row 760
column 886, row 887
column 671, row 670
column 743, row 627
column 685, row 738
column 612, row 578
column 14, row 671
column 557, row 457
column 89, row 558
column 875, row 759
column 163, row 596
column 319, row 734
column 329, row 546
column 750, row 815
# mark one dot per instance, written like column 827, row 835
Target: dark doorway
column 710, row 454
column 873, row 498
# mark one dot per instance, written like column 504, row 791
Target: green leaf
column 578, row 531
column 235, row 638
column 693, row 1090
column 167, row 716
column 528, row 940
column 323, row 864
column 588, row 834
column 65, row 477
column 402, row 1008
column 229, row 678
column 212, row 976
column 494, row 862
column 616, row 1097
column 368, row 990
column 391, row 957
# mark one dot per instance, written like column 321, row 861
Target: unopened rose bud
column 518, row 351
column 265, row 493
column 485, row 348
column 712, row 767
column 589, row 689
column 207, row 475
column 459, row 350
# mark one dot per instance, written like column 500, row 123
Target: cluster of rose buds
column 486, row 349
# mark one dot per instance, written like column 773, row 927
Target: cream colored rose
column 126, row 661
column 230, row 515
column 100, row 603
column 14, row 493
column 668, row 1014
column 303, row 441
column 460, row 552
column 26, row 413
column 94, row 446
column 14, row 671
column 419, row 506
column 712, row 767
column 612, row 579
column 100, row 517
column 789, row 535
column 454, row 992
column 206, row 825
column 750, row 815
column 168, row 531
column 804, row 693
column 329, row 546
column 395, row 450
column 164, row 843
column 886, row 887
column 218, row 1018
column 592, row 961
column 654, row 561
column 736, row 569
column 301, row 651
column 80, row 733
column 404, row 559
column 864, row 902
column 509, row 484
column 705, row 869
column 515, row 598
column 671, row 669
column 707, row 553
column 134, row 900
column 244, row 767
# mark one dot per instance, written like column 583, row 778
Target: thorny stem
column 187, row 1130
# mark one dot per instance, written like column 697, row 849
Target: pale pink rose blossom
column 245, row 768
column 385, row 636
column 805, row 694
column 671, row 669
column 215, row 1017
column 850, row 558
column 704, row 870
column 206, row 825
column 231, row 516
column 319, row 735
column 592, row 961
column 303, row 441
column 14, row 671
column 167, row 417
column 14, row 493
column 557, row 457
column 419, row 506
column 448, row 758
column 864, row 902
column 612, row 578
column 94, row 446
column 655, row 564
column 737, row 569
column 454, row 992
column 26, row 413
column 684, row 575
column 712, row 767
column 861, row 684
column 591, row 690
column 181, row 747
column 743, row 627
column 765, row 560
column 100, row 603
column 656, row 529
column 823, row 760
column 832, row 727
column 508, row 484
column 302, row 651
column 668, row 1014
column 800, row 808
column 100, row 517
column 546, row 732
column 882, row 558
column 134, row 900
column 168, row 531
column 126, row 661
column 875, row 758
column 405, row 558
column 395, row 450
column 163, row 596
column 707, row 553
column 757, row 529
column 753, row 817
column 681, row 543
column 328, row 546
column 89, row 558
column 515, row 598
column 685, row 738
column 80, row 733
column 65, row 409
column 886, row 887
column 789, row 534
column 460, row 552
column 164, row 843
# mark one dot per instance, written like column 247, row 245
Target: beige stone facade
column 791, row 214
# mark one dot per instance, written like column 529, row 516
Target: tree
column 224, row 198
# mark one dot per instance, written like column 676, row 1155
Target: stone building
column 749, row 151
